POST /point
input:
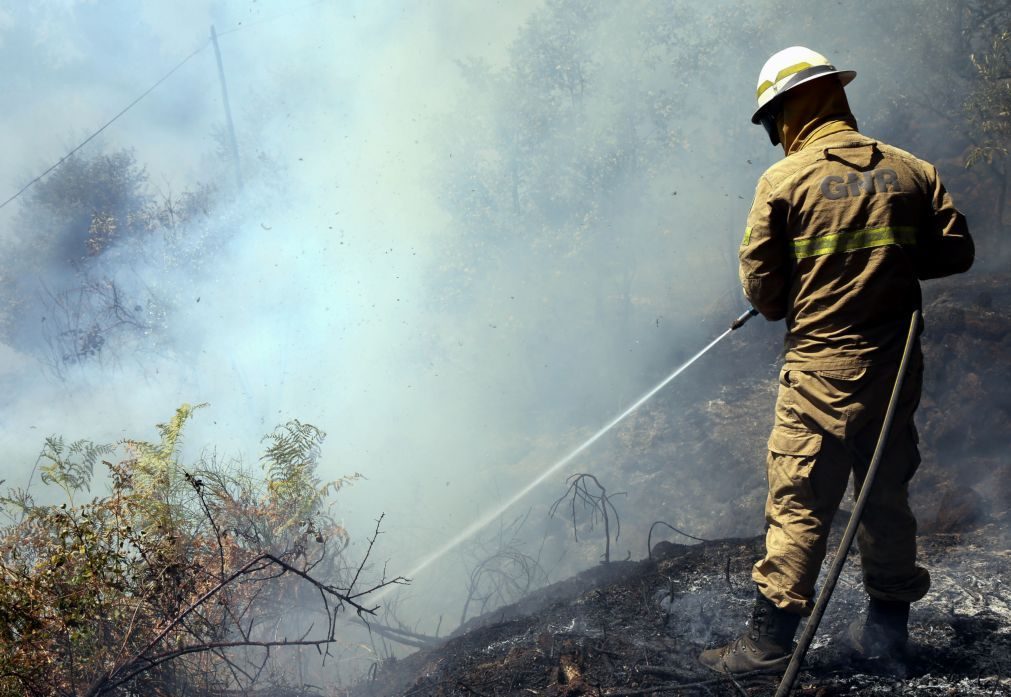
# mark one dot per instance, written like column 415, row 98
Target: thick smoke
column 469, row 234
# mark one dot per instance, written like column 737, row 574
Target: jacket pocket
column 844, row 374
column 785, row 440
column 793, row 453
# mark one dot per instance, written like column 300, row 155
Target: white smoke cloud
column 321, row 301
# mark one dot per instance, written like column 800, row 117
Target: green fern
column 157, row 478
column 154, row 464
column 71, row 467
column 293, row 447
column 290, row 462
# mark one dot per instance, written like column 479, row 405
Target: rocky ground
column 692, row 463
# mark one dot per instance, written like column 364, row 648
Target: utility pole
column 232, row 143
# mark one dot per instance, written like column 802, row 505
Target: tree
column 588, row 188
column 86, row 205
column 989, row 110
column 86, row 283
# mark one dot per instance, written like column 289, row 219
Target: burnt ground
column 605, row 632
column 608, row 631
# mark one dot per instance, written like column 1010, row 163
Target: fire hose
column 811, row 628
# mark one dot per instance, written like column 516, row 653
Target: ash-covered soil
column 694, row 457
column 609, row 631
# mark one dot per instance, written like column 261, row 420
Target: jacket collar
column 826, row 129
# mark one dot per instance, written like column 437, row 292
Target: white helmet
column 785, row 70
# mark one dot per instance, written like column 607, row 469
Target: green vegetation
column 181, row 579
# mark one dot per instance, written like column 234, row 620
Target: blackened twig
column 649, row 538
column 598, row 503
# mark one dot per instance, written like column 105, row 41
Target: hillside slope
column 693, row 463
column 608, row 631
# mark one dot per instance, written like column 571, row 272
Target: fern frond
column 154, row 465
column 70, row 468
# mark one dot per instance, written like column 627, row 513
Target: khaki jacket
column 839, row 235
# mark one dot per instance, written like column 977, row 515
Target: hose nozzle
column 739, row 322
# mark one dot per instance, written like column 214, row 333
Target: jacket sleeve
column 945, row 247
column 765, row 261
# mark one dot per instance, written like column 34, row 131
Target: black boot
column 768, row 642
column 884, row 633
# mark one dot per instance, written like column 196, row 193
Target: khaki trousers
column 827, row 424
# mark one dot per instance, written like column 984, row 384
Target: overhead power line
column 108, row 123
column 151, row 89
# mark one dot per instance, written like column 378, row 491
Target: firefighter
column 840, row 233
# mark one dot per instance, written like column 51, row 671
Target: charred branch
column 649, row 537
column 260, row 569
column 597, row 501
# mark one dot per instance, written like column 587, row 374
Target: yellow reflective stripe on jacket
column 852, row 240
column 747, row 236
